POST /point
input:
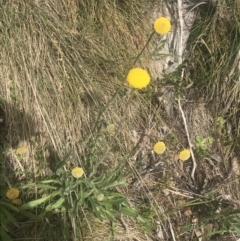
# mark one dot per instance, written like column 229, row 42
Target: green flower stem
column 139, row 55
column 125, row 112
column 119, row 129
column 113, row 98
column 119, row 88
column 6, row 180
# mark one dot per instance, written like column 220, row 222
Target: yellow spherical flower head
column 100, row 197
column 184, row 155
column 12, row 193
column 111, row 128
column 77, row 172
column 159, row 147
column 138, row 78
column 162, row 25
column 17, row 202
column 21, row 150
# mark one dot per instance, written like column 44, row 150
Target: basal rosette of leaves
column 68, row 191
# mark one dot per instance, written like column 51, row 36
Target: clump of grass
column 213, row 51
column 71, row 57
column 214, row 46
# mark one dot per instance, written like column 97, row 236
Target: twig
column 171, row 229
column 189, row 141
column 180, row 52
column 177, row 193
column 125, row 226
column 181, row 23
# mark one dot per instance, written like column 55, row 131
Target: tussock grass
column 66, row 60
column 214, row 46
column 213, row 50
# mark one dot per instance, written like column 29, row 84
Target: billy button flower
column 162, row 25
column 77, row 172
column 100, row 197
column 159, row 147
column 12, row 193
column 184, row 155
column 138, row 78
column 21, row 150
column 111, row 128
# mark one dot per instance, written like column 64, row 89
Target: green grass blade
column 38, row 202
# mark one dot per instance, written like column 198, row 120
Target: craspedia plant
column 138, row 78
column 162, row 25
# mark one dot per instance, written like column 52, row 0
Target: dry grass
column 62, row 61
column 215, row 50
column 57, row 61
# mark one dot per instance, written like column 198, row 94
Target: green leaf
column 38, row 184
column 74, row 208
column 48, row 187
column 66, row 231
column 129, row 211
column 142, row 219
column 3, row 234
column 113, row 177
column 7, row 217
column 109, row 215
column 113, row 202
column 159, row 48
column 62, row 163
column 73, row 186
column 107, row 182
column 92, row 207
column 37, row 202
column 50, row 181
column 198, row 139
column 87, row 194
column 8, row 206
column 236, row 228
column 99, row 179
column 81, row 194
column 55, row 205
column 210, row 139
column 29, row 215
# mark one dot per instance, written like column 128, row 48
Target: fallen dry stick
column 189, row 142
